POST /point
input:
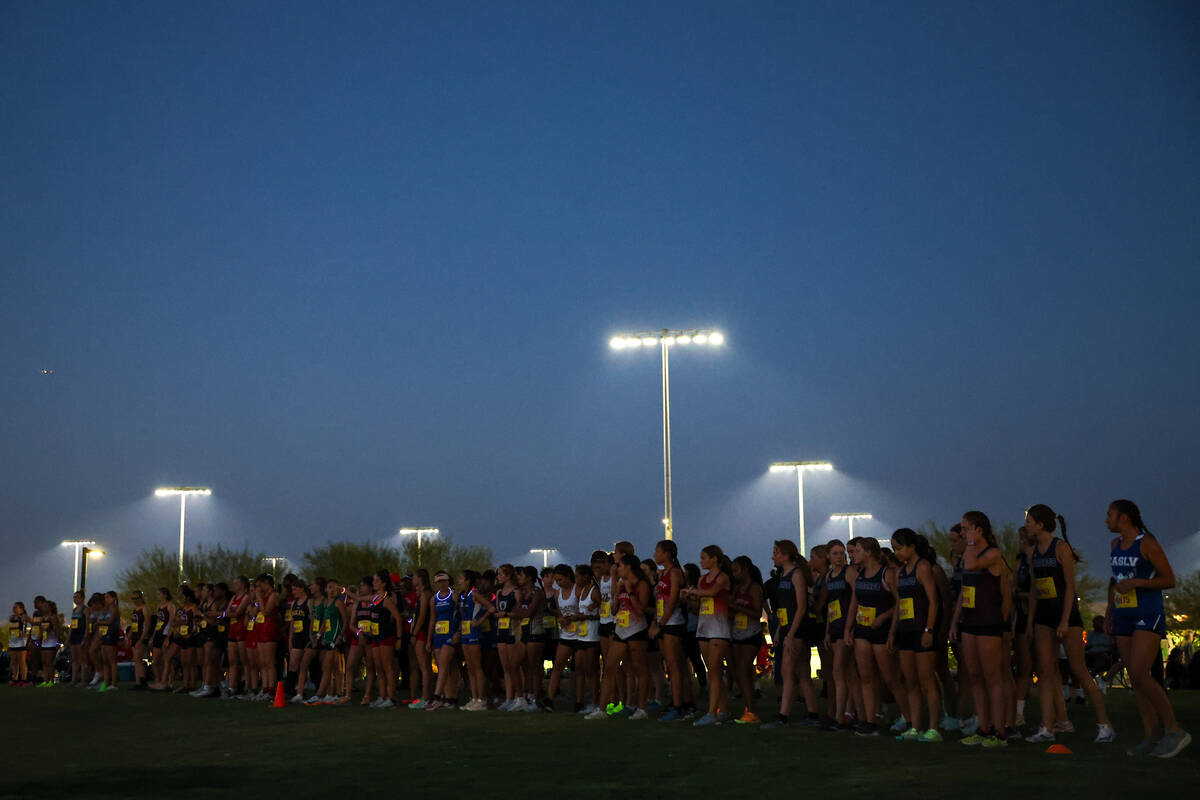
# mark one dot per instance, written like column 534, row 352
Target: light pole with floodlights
column 545, row 551
column 182, row 492
column 850, row 517
column 275, row 566
column 800, row 468
column 666, row 339
column 83, row 550
column 419, row 532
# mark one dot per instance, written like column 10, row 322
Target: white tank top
column 588, row 630
column 567, row 605
column 606, row 602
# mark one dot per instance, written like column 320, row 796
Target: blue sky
column 357, row 269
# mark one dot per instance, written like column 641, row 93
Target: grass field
column 73, row 743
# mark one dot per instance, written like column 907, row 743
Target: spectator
column 1100, row 651
column 1176, row 673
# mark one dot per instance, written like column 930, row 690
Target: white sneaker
column 597, row 714
column 1042, row 735
column 518, row 704
column 1064, row 727
column 478, row 704
column 1106, row 735
column 385, row 703
column 95, row 680
column 197, row 692
column 639, row 714
column 297, row 698
column 900, row 725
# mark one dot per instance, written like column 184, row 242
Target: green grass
column 73, row 743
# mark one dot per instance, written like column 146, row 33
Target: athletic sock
column 1020, row 708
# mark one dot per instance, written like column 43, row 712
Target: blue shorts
column 1126, row 624
column 440, row 640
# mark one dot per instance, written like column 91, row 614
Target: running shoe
column 45, row 685
column 476, row 705
column 519, row 705
column 419, row 704
column 386, row 702
column 344, row 700
column 597, row 714
column 547, row 704
column 899, row 725
column 583, row 711
column 845, row 727
column 1106, row 735
column 993, row 741
column 1012, row 736
column 653, row 707
column 705, row 721
column 1144, row 748
column 950, row 724
column 1064, row 727
column 367, row 701
column 314, row 701
column 909, row 735
column 640, row 713
column 612, row 709
column 1041, row 736
column 434, row 705
column 1171, row 743
column 196, row 692
column 930, row 735
column 809, row 721
column 747, row 718
column 531, row 706
column 974, row 740
column 297, row 698
column 866, row 729
column 227, row 695
column 689, row 713
column 970, row 725
column 670, row 715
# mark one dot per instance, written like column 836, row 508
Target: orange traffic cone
column 1058, row 750
column 280, row 696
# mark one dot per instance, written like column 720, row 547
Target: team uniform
column 301, row 624
column 445, row 619
column 568, row 605
column 714, row 611
column 838, row 595
column 237, row 626
column 78, row 627
column 1051, row 586
column 1138, row 609
column 631, row 622
column 982, row 611
column 587, row 631
column 745, row 631
column 606, row 615
column 469, row 616
column 383, row 624
column 874, row 600
column 677, row 624
column 18, row 634
column 162, row 626
column 912, row 611
column 506, row 628
column 109, row 630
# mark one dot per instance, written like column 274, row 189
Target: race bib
column 659, row 607
column 374, row 628
column 782, row 615
column 287, row 615
column 104, row 630
column 525, row 622
column 504, row 623
column 135, row 627
column 605, row 608
column 582, row 628
column 906, row 608
column 204, row 623
column 865, row 616
column 364, row 626
column 220, row 627
column 968, row 597
column 78, row 624
column 1045, row 588
column 261, row 618
column 707, row 606
column 250, row 624
column 183, row 629
column 465, row 628
column 442, row 626
column 326, row 626
column 741, row 622
column 549, row 621
column 835, row 610
column 623, row 619
column 1125, row 599
column 572, row 627
column 297, row 626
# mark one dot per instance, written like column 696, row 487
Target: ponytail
column 671, row 549
column 1045, row 516
column 1130, row 509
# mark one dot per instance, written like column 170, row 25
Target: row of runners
column 884, row 622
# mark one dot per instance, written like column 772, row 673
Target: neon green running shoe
column 910, row 735
column 931, row 735
column 974, row 740
column 615, row 708
column 994, row 741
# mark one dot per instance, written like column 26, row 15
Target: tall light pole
column 275, row 566
column 82, row 551
column 664, row 340
column 850, row 517
column 419, row 532
column 545, row 551
column 800, row 467
column 182, row 492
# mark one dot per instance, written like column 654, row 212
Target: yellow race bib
column 835, row 610
column 906, row 608
column 287, row 615
column 297, row 626
column 203, row 623
column 504, row 623
column 104, row 630
column 605, row 608
column 549, row 621
column 78, row 624
column 968, row 596
column 582, row 628
column 183, row 629
column 326, row 626
column 250, row 624
column 782, row 615
column 525, row 622
column 1125, row 599
column 659, row 607
column 135, row 627
column 364, row 626
column 707, row 606
column 572, row 627
column 741, row 622
column 1045, row 588
column 865, row 616
column 442, row 626
column 261, row 618
column 220, row 627
column 623, row 619
column 374, row 628
column 465, row 628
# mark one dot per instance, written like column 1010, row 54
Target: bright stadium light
column 82, row 551
column 182, row 493
column 850, row 517
column 545, row 551
column 617, row 343
column 419, row 532
column 665, row 339
column 800, row 467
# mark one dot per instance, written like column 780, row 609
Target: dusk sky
column 356, row 267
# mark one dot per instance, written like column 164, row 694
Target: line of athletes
column 881, row 622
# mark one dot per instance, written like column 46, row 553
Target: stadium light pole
column 800, row 467
column 182, row 492
column 545, row 551
column 419, row 532
column 81, row 550
column 275, row 566
column 665, row 339
column 850, row 517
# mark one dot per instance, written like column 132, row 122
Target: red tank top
column 718, row 604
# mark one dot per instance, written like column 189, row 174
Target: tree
column 1183, row 602
column 348, row 562
column 160, row 567
column 1007, row 537
column 440, row 552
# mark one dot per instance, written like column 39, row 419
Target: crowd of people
column 636, row 637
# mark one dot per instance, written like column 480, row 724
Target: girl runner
column 1135, row 616
column 872, row 606
column 836, row 597
column 1023, row 624
column 629, row 641
column 110, row 632
column 981, row 619
column 329, row 643
column 139, row 638
column 445, row 637
column 163, row 616
column 533, row 631
column 602, row 564
column 187, row 639
column 301, row 640
column 508, row 624
column 76, row 637
column 565, row 607
column 18, row 645
column 473, row 608
column 359, row 639
column 814, row 627
column 654, row 658
column 670, row 624
column 206, row 622
column 712, row 594
column 587, row 642
column 235, row 614
column 791, row 606
column 1055, row 612
column 218, row 638
column 385, row 624
column 91, row 641
column 48, row 644
column 913, row 632
column 746, row 604
column 422, row 616
column 267, row 635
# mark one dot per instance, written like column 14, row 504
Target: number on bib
column 442, row 626
column 374, row 628
column 104, row 630
column 835, row 610
column 549, row 621
column 623, row 619
column 297, row 626
column 707, row 606
column 865, row 616
column 504, row 623
column 605, row 608
column 582, row 629
column 782, row 616
column 183, row 630
column 261, row 618
column 250, row 624
column 135, row 627
column 741, row 622
column 906, row 608
column 1046, row 588
column 968, row 596
column 659, row 607
column 1126, row 599
column 465, row 627
column 571, row 627
column 364, row 626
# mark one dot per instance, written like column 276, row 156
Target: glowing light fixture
column 545, row 551
column 182, row 492
column 800, row 467
column 419, row 532
column 850, row 517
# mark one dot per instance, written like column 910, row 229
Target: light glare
column 716, row 338
column 684, row 339
column 616, row 343
column 633, row 341
column 700, row 338
column 649, row 341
